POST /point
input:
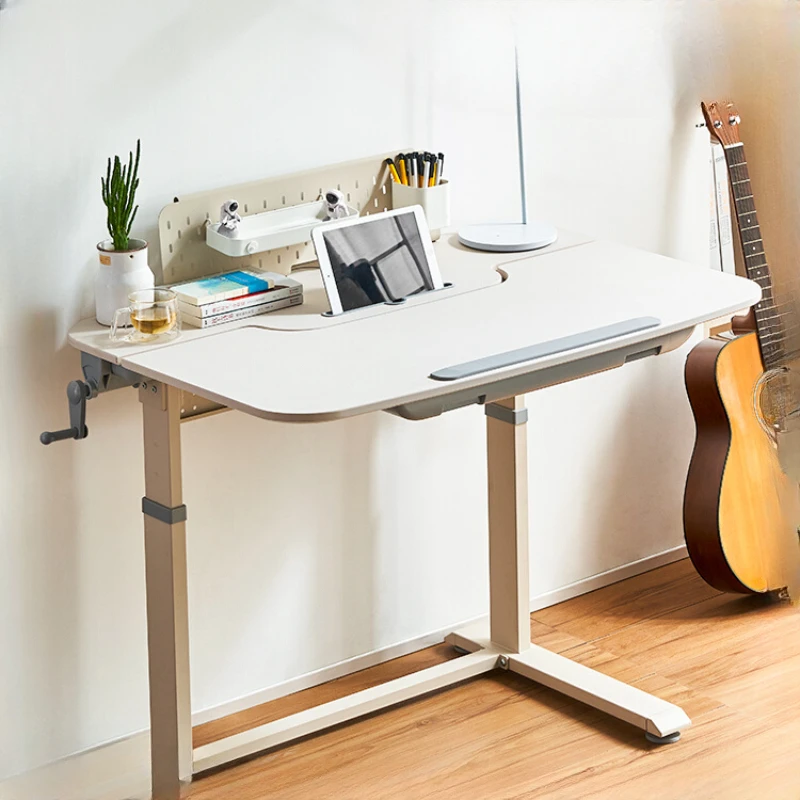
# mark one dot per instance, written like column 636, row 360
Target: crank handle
column 48, row 437
column 78, row 392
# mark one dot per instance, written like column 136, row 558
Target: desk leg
column 509, row 593
column 165, row 569
column 509, row 590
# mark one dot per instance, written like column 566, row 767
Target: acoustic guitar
column 741, row 511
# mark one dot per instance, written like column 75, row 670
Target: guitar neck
column 768, row 322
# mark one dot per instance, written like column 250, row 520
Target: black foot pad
column 672, row 737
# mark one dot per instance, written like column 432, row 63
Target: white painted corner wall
column 314, row 544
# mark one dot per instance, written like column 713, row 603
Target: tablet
column 380, row 258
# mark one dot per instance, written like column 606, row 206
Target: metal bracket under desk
column 195, row 407
column 537, row 378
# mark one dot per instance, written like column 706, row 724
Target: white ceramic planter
column 120, row 274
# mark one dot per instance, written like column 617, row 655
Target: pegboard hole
column 179, row 234
column 208, row 216
column 375, row 201
column 302, row 196
column 245, row 208
column 383, row 189
column 260, row 263
column 279, row 259
column 169, row 225
column 194, row 408
column 264, row 203
column 339, row 187
column 188, row 221
column 348, row 197
column 297, row 254
column 170, row 248
column 283, row 199
column 356, row 184
column 374, row 181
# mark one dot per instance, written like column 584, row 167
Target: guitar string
column 769, row 313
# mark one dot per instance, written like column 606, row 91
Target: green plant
column 119, row 191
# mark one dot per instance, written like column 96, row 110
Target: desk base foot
column 653, row 715
column 659, row 719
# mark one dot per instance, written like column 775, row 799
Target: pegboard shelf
column 269, row 230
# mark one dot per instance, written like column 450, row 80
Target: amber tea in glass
column 153, row 315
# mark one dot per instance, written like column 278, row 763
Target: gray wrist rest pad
column 549, row 348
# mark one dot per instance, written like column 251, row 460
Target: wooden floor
column 732, row 663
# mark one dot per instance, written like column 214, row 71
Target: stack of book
column 234, row 295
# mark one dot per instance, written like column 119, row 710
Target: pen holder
column 435, row 202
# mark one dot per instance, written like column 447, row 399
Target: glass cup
column 152, row 315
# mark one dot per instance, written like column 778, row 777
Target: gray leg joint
column 171, row 516
column 513, row 416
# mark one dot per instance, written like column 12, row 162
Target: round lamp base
column 508, row 237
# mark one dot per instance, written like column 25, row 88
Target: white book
column 240, row 313
column 285, row 287
column 714, row 253
column 723, row 201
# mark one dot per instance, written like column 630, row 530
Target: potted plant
column 123, row 260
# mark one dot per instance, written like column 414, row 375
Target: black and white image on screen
column 378, row 260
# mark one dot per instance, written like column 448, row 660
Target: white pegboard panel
column 181, row 224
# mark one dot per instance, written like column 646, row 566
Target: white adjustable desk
column 582, row 306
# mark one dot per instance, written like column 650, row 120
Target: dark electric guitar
column 740, row 509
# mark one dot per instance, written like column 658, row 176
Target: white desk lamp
column 510, row 237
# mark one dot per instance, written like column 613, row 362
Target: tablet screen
column 380, row 259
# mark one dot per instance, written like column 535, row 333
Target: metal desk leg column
column 509, row 590
column 165, row 567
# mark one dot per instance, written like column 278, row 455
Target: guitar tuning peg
column 699, row 124
column 734, row 119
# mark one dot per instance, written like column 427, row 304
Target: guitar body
column 739, row 506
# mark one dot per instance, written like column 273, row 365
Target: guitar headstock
column 722, row 121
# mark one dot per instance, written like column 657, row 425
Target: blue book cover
column 221, row 287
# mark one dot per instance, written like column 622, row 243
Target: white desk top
column 383, row 359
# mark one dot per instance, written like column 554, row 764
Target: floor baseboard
column 602, row 579
column 121, row 768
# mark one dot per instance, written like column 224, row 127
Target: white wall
column 312, row 544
